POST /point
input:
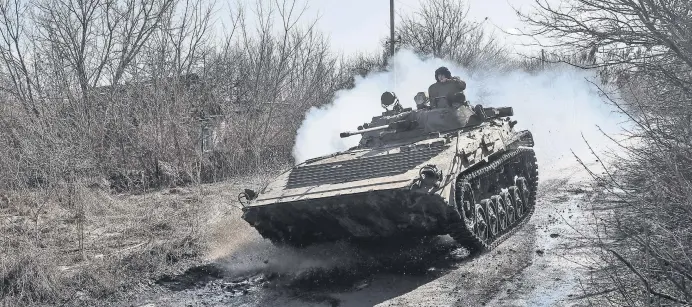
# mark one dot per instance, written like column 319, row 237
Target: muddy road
column 538, row 266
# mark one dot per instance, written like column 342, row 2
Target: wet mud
column 316, row 274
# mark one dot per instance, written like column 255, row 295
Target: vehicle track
column 466, row 231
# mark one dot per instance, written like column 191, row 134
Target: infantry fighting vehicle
column 442, row 168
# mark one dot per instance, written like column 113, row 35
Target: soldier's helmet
column 443, row 71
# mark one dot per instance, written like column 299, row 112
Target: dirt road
column 535, row 267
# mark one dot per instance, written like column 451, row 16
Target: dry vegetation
column 443, row 29
column 644, row 237
column 124, row 123
column 119, row 245
column 112, row 115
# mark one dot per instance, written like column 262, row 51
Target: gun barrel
column 351, row 133
column 398, row 125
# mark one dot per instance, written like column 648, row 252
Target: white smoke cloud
column 557, row 106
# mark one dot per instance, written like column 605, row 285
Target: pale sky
column 360, row 25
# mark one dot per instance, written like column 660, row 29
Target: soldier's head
column 442, row 74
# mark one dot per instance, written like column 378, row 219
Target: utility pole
column 542, row 58
column 391, row 30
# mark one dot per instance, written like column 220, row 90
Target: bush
column 29, row 276
column 644, row 237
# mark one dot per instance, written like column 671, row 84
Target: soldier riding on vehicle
column 448, row 92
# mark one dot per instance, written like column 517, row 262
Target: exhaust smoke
column 558, row 105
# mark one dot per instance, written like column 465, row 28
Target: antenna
column 391, row 30
column 391, row 40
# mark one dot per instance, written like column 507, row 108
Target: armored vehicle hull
column 476, row 182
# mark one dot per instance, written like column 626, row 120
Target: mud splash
column 309, row 273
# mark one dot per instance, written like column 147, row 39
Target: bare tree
column 627, row 36
column 73, row 69
column 13, row 53
column 271, row 74
column 645, row 47
column 98, row 35
column 442, row 28
column 168, row 86
column 122, row 87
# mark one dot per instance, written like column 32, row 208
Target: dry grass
column 128, row 240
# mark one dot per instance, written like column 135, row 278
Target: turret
column 399, row 124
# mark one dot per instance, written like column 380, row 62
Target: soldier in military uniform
column 448, row 91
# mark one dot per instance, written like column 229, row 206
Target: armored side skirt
column 371, row 215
